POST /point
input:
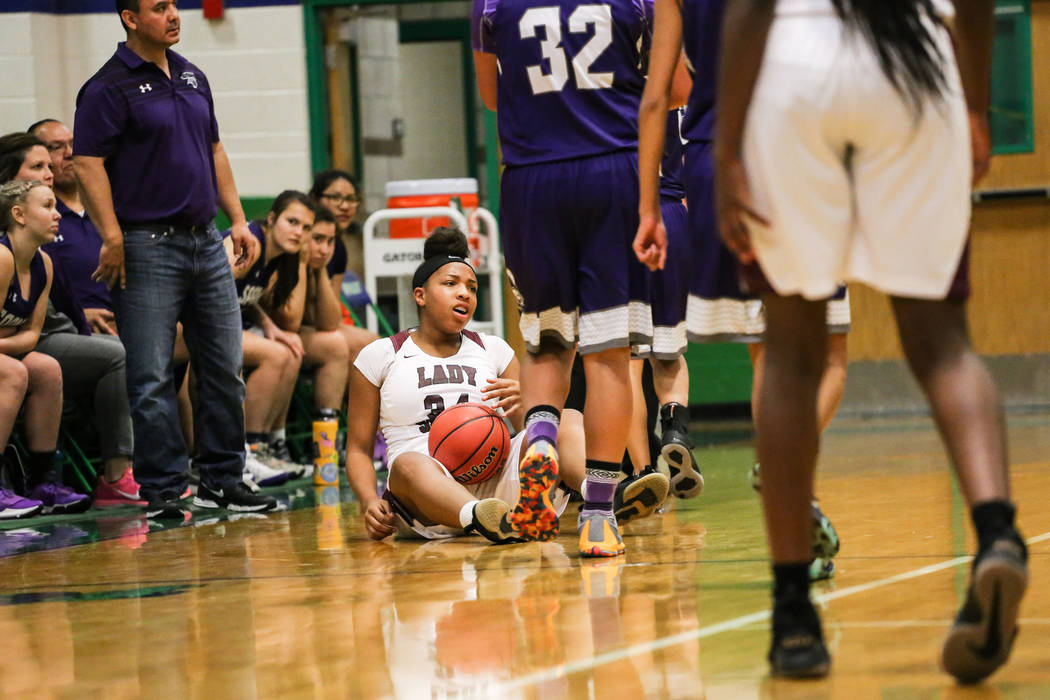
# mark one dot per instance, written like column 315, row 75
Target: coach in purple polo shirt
column 150, row 165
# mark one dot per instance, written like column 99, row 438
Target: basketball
column 471, row 440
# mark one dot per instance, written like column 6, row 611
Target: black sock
column 257, row 438
column 40, row 467
column 791, row 581
column 673, row 412
column 992, row 520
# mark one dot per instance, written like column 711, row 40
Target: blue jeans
column 185, row 277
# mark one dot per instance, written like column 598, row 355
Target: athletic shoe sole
column 642, row 497
column 821, row 569
column 974, row 650
column 686, row 479
column 800, row 656
column 16, row 513
column 232, row 507
column 607, row 544
column 492, row 521
column 170, row 512
column 116, row 502
column 67, row 508
column 534, row 515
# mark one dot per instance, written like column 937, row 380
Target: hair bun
column 445, row 241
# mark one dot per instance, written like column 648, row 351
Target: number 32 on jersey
column 595, row 20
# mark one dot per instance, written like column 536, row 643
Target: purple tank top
column 18, row 309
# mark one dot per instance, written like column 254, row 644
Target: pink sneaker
column 123, row 492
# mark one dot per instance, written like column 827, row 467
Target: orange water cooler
column 461, row 193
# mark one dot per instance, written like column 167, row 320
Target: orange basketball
column 471, row 440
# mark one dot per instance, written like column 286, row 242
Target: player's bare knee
column 43, row 371
column 13, row 374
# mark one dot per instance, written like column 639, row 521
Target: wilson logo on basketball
column 478, row 469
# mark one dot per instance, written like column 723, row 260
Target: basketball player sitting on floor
column 402, row 383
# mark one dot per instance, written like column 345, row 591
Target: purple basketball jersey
column 570, row 76
column 671, row 186
column 701, row 36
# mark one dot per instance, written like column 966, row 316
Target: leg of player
column 788, row 439
column 966, row 407
column 829, row 395
column 432, row 497
column 640, row 494
column 606, row 420
column 328, row 352
column 544, row 386
column 671, row 378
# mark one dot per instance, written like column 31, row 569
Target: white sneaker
column 259, row 472
column 266, row 454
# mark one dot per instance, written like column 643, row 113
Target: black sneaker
column 236, row 497
column 492, row 521
column 161, row 508
column 984, row 631
column 639, row 495
column 677, row 450
column 798, row 649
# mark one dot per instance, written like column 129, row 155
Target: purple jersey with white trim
column 671, row 186
column 570, row 78
column 701, row 36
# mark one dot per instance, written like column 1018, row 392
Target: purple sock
column 600, row 486
column 541, row 423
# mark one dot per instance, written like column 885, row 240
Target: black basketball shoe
column 984, row 631
column 798, row 649
column 677, row 450
column 237, row 498
column 639, row 495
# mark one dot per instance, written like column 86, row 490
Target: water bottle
column 326, row 458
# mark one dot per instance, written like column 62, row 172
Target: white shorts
column 504, row 486
column 729, row 320
column 855, row 188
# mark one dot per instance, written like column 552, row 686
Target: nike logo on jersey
column 446, row 374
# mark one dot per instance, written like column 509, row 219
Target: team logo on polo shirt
column 190, row 78
column 144, row 88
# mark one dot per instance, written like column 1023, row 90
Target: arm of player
column 28, row 334
column 328, row 312
column 289, row 316
column 974, row 32
column 507, row 392
column 97, row 196
column 360, row 442
column 272, row 331
column 682, row 82
column 744, row 33
column 650, row 242
column 487, row 70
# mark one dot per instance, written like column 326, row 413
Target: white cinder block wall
column 255, row 58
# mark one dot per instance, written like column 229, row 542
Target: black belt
column 168, row 228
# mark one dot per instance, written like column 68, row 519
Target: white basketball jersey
column 415, row 387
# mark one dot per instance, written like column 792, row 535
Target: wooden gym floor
column 301, row 604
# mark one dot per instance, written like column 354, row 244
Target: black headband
column 431, row 265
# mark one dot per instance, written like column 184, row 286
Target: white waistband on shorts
column 944, row 8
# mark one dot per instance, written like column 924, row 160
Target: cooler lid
column 451, row 185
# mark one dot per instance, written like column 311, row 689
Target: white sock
column 466, row 513
column 276, row 435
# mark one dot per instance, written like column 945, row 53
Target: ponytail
column 900, row 32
